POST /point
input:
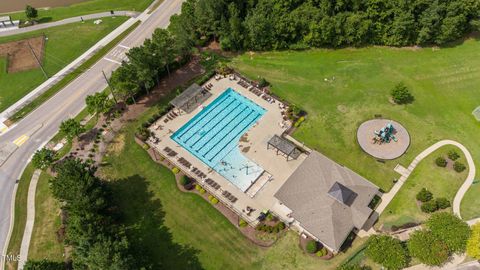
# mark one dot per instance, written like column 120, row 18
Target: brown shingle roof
column 306, row 193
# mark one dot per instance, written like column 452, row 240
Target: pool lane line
column 203, row 116
column 234, row 102
column 216, row 125
column 242, row 110
column 238, row 133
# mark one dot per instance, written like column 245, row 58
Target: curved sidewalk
column 67, row 21
column 387, row 197
column 27, row 233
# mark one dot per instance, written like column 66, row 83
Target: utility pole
column 110, row 86
column 38, row 61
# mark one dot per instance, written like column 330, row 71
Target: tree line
column 283, row 24
column 93, row 230
column 147, row 64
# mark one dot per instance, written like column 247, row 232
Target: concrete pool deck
column 260, row 196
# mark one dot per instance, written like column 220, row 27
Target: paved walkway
column 16, row 31
column 27, row 234
column 387, row 197
column 405, row 172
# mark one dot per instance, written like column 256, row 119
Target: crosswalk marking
column 21, row 140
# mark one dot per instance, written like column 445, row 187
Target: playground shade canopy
column 191, row 98
column 285, row 146
column 327, row 199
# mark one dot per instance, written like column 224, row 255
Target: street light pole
column 110, row 86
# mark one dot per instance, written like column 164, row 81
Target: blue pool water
column 213, row 135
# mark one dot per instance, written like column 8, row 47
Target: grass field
column 442, row 182
column 342, row 88
column 83, row 8
column 183, row 231
column 44, row 242
column 60, row 50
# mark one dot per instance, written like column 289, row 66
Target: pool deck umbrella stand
column 191, row 98
column 285, row 146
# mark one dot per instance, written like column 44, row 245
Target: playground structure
column 375, row 137
column 384, row 135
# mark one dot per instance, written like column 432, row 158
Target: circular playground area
column 383, row 138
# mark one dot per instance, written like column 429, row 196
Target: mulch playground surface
column 19, row 54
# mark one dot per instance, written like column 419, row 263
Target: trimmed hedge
column 429, row 207
column 242, row 223
column 453, row 155
column 441, row 162
column 443, row 203
column 424, row 195
column 185, row 180
column 459, row 167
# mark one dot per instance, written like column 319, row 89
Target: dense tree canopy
column 99, row 243
column 427, row 248
column 278, row 24
column 450, row 229
column 473, row 244
column 387, row 251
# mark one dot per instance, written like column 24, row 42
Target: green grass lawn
column 444, row 82
column 182, row 231
column 44, row 243
column 471, row 201
column 83, row 8
column 60, row 50
column 442, row 182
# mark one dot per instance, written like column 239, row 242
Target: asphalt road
column 42, row 124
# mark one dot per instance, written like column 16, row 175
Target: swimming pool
column 213, row 135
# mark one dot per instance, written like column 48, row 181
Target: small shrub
column 175, row 170
column 280, row 226
column 210, row 197
column 441, row 162
column 146, row 146
column 322, row 252
column 242, row 223
column 299, row 121
column 262, row 82
column 214, row 200
column 424, row 195
column 269, row 216
column 162, row 158
column 429, row 207
column 443, row 203
column 202, row 191
column 198, row 187
column 459, row 167
column 184, row 180
column 311, row 247
column 401, row 94
column 453, row 155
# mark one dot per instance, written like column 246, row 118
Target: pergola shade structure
column 191, row 98
column 285, row 146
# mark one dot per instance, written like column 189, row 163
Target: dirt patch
column 21, row 54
